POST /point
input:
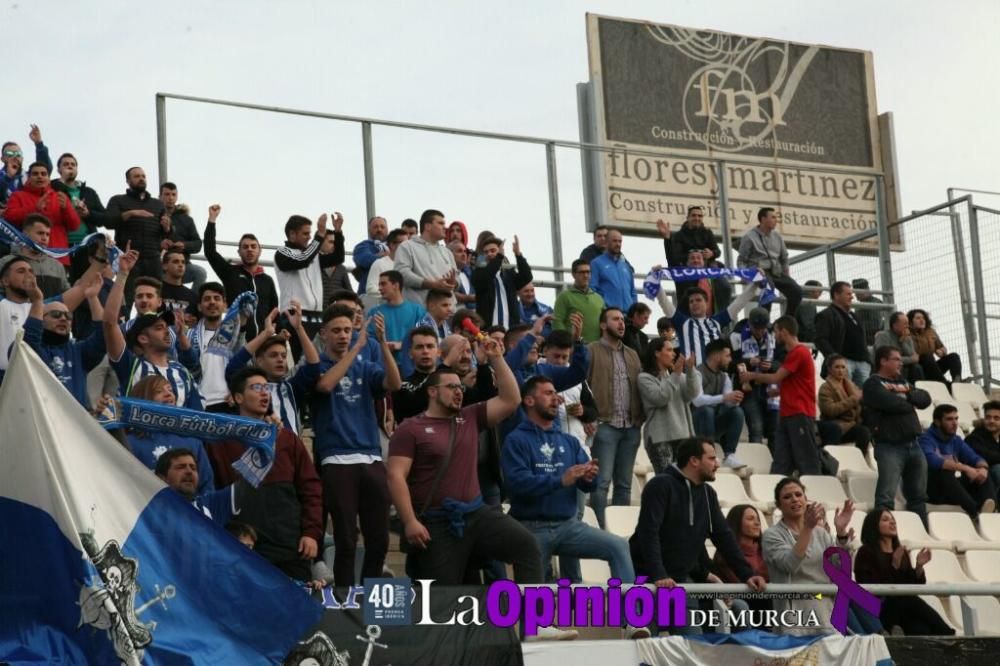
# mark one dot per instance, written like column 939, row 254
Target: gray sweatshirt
column 764, row 251
column 419, row 260
column 665, row 400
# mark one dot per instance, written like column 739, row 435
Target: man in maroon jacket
column 287, row 509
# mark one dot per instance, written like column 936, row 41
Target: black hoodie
column 675, row 518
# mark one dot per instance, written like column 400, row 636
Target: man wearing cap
column 754, row 346
column 144, row 350
column 839, row 331
column 872, row 320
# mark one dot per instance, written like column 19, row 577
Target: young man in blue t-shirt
column 400, row 315
column 347, row 449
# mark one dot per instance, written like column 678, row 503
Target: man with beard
column 434, row 485
column 47, row 330
column 183, row 234
column 179, row 470
column 614, row 379
column 137, row 218
column 347, row 448
column 411, row 398
column 612, row 276
column 423, row 262
column 12, row 177
column 269, row 352
column 370, row 249
column 145, row 349
column 286, row 509
column 16, row 278
column 212, row 306
column 248, row 275
column 37, row 196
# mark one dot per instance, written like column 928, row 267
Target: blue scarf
column 258, row 436
column 13, row 235
column 227, row 336
column 651, row 286
column 455, row 512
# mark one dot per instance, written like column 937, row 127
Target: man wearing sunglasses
column 12, row 176
column 47, row 330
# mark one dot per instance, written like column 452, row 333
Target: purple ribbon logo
column 847, row 589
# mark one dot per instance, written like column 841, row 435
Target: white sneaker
column 989, row 506
column 733, row 462
column 387, row 572
column 631, row 633
column 553, row 634
column 322, row 572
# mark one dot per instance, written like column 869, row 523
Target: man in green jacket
column 579, row 298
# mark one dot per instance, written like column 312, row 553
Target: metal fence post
column 831, row 266
column 883, row 223
column 161, row 138
column 727, row 237
column 977, row 277
column 553, row 186
column 962, row 269
column 366, row 149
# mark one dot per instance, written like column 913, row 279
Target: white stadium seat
column 938, row 390
column 826, row 490
column 945, row 568
column 983, row 565
column 925, row 416
column 729, row 488
column 966, row 415
column 756, row 456
column 989, row 526
column 861, row 489
column 621, row 520
column 643, row 467
column 762, row 487
column 970, row 393
column 589, row 517
column 957, row 529
column 857, row 520
column 595, row 571
column 912, row 533
column 852, row 461
column 935, row 603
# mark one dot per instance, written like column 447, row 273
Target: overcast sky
column 87, row 73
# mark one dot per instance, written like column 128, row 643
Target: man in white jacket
column 424, row 261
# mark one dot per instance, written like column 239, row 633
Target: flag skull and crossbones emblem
column 111, row 607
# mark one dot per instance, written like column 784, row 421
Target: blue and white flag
column 227, row 336
column 11, row 234
column 258, row 436
column 104, row 564
column 651, row 286
column 761, row 647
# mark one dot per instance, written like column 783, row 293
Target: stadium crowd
column 444, row 401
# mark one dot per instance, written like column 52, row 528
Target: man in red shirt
column 433, row 480
column 795, row 437
column 37, row 196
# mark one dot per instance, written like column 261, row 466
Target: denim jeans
column 574, row 538
column 859, row 371
column 614, row 449
column 195, row 274
column 727, row 420
column 904, row 462
column 760, row 420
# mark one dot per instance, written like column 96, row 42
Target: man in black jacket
column 137, row 218
column 985, row 439
column 839, row 331
column 888, row 409
column 248, row 275
column 183, row 235
column 411, row 398
column 679, row 511
column 694, row 236
column 497, row 283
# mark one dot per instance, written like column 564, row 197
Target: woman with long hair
column 935, row 360
column 840, row 406
column 667, row 385
column 882, row 559
column 148, row 445
column 793, row 550
column 745, row 523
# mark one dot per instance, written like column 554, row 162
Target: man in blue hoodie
column 543, row 467
column 347, row 449
column 367, row 251
column 679, row 510
column 47, row 330
column 947, row 453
